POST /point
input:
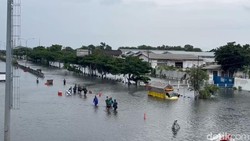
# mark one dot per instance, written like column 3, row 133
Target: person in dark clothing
column 175, row 126
column 70, row 90
column 74, row 89
column 168, row 94
column 64, row 82
column 107, row 102
column 37, row 81
column 115, row 105
column 84, row 89
column 111, row 102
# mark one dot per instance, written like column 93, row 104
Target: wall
column 244, row 83
column 2, row 77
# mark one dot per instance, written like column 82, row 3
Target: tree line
column 166, row 47
column 233, row 57
column 97, row 62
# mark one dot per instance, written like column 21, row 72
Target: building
column 84, row 52
column 183, row 61
column 113, row 53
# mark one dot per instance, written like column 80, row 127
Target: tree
column 232, row 57
column 55, row 48
column 188, row 47
column 245, row 70
column 197, row 78
column 135, row 68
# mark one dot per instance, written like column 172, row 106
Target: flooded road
column 44, row 116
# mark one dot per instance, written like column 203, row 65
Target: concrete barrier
column 243, row 83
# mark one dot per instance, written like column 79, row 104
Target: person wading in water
column 115, row 105
column 95, row 101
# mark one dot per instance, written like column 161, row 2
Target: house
column 218, row 76
column 206, row 57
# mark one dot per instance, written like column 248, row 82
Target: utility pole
column 148, row 55
column 197, row 80
column 8, row 86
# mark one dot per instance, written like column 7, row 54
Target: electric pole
column 8, row 85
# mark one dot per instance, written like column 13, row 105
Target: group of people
column 110, row 103
column 77, row 88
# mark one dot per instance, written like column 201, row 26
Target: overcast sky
column 206, row 24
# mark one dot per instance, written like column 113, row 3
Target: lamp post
column 26, row 45
column 26, row 41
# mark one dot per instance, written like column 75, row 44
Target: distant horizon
column 1, row 47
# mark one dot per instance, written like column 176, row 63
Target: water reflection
column 95, row 108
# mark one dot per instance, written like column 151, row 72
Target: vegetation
column 239, row 88
column 97, row 62
column 197, row 78
column 207, row 91
column 234, row 88
column 166, row 47
column 233, row 57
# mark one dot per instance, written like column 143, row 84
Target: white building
column 176, row 60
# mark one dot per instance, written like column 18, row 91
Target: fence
column 243, row 83
column 224, row 81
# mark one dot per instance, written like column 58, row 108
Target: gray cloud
column 133, row 22
column 246, row 7
column 110, row 2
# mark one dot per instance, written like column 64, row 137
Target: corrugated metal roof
column 192, row 53
column 211, row 54
column 171, row 56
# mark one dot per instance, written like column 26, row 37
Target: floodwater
column 45, row 116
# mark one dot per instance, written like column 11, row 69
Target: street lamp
column 26, row 44
column 26, row 40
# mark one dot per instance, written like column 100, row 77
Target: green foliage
column 197, row 77
column 55, row 48
column 239, row 88
column 204, row 94
column 98, row 61
column 207, row 91
column 165, row 47
column 135, row 68
column 21, row 51
column 246, row 71
column 14, row 62
column 232, row 57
